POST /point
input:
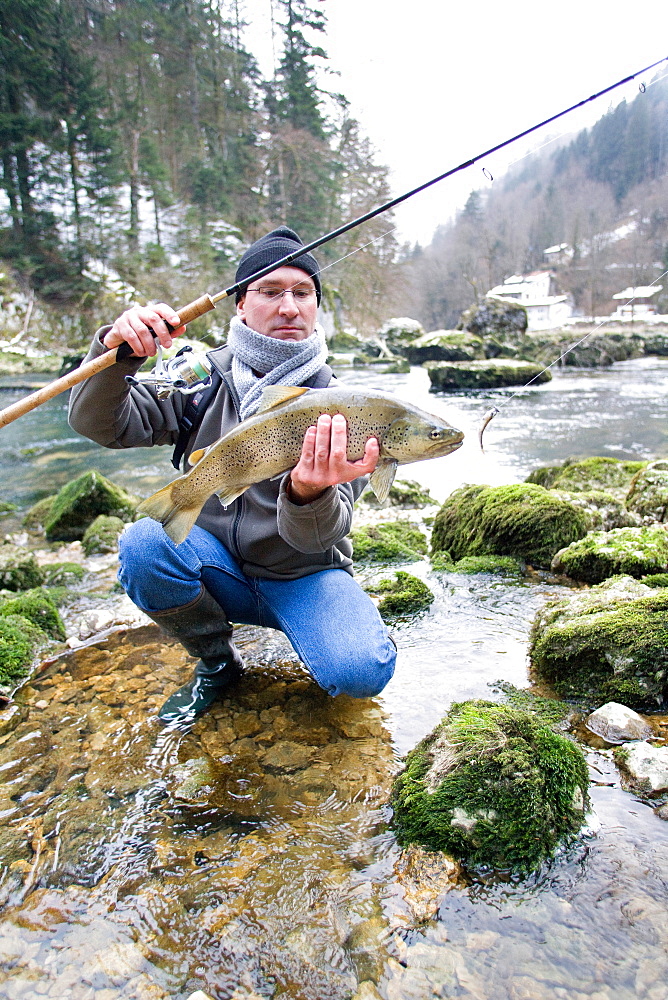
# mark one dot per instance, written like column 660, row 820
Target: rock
column 405, row 595
column 18, row 569
column 524, row 521
column 627, row 551
column 425, row 877
column 648, row 492
column 616, row 723
column 102, row 535
column 37, row 607
column 609, row 643
column 444, row 345
column 494, row 374
column 399, row 332
column 19, row 639
column 389, row 541
column 602, row 510
column 79, row 502
column 645, row 767
column 502, row 321
column 493, row 786
column 405, row 493
column 94, row 620
column 608, row 474
column 286, row 757
column 193, row 780
column 36, row 517
column 499, row 565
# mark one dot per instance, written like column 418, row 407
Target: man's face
column 285, row 317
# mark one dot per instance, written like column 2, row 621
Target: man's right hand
column 138, row 325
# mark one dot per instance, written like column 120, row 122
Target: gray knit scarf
column 286, row 362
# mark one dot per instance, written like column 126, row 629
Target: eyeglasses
column 273, row 294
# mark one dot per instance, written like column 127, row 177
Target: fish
column 269, row 443
column 487, row 419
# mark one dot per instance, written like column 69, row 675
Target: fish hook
column 488, row 417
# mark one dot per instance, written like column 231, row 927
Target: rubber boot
column 202, row 628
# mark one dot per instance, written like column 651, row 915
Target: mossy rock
column 403, row 493
column 404, row 595
column 524, row 521
column 7, row 508
column 506, row 321
column 38, row 607
column 62, row 574
column 399, row 332
column 19, row 638
column 18, row 569
column 606, row 644
column 78, row 504
column 493, row 786
column 447, row 376
column 445, row 345
column 602, row 510
column 628, row 551
column 442, row 562
column 38, row 514
column 102, row 535
column 655, row 580
column 648, row 492
column 611, row 475
column 497, row 565
column 389, row 541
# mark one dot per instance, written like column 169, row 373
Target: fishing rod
column 205, row 303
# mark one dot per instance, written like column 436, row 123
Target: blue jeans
column 333, row 626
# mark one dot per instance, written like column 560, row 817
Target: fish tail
column 176, row 518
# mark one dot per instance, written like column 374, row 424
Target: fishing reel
column 187, row 372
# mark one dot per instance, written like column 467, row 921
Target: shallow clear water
column 278, row 876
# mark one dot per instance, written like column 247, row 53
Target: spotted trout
column 270, row 442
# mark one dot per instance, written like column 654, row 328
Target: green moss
column 403, row 493
column 492, row 786
column 62, row 574
column 525, row 521
column 36, row 517
column 37, row 607
column 491, row 374
column 442, row 562
column 7, row 508
column 630, row 551
column 78, row 504
column 390, row 541
column 405, row 595
column 617, row 652
column 18, row 569
column 102, row 535
column 550, row 711
column 656, row 580
column 648, row 492
column 488, row 564
column 19, row 639
column 597, row 474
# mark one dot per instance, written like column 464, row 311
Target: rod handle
column 203, row 304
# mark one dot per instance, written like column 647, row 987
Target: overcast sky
column 436, row 83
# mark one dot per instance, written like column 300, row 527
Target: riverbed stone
column 648, row 492
column 491, row 785
column 80, row 501
column 609, row 643
column 447, row 376
column 616, row 723
column 612, row 475
column 645, row 767
column 18, row 568
column 523, row 520
column 628, row 551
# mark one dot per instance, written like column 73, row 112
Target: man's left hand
column 324, row 460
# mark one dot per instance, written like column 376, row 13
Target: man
column 278, row 556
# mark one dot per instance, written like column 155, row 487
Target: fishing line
column 492, row 412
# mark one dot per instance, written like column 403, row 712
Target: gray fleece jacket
column 265, row 532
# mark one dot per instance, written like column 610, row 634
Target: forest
column 143, row 149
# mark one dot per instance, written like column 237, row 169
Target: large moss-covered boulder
column 18, row 569
column 609, row 643
column 390, row 541
column 36, row 517
column 444, row 345
column 446, row 376
column 102, row 535
column 648, row 492
column 37, row 606
column 19, row 639
column 492, row 785
column 524, row 521
column 629, row 551
column 78, row 504
column 501, row 320
column 611, row 475
column 399, row 332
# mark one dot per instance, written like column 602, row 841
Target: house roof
column 640, row 292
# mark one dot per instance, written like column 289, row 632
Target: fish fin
column 228, row 496
column 276, row 395
column 195, row 456
column 177, row 521
column 381, row 479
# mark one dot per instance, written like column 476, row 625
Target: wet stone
column 287, row 757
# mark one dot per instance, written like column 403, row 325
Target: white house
column 635, row 303
column 533, row 291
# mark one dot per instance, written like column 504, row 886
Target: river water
column 278, row 875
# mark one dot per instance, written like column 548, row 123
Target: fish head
column 419, row 436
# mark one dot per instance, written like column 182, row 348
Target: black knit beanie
column 270, row 249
